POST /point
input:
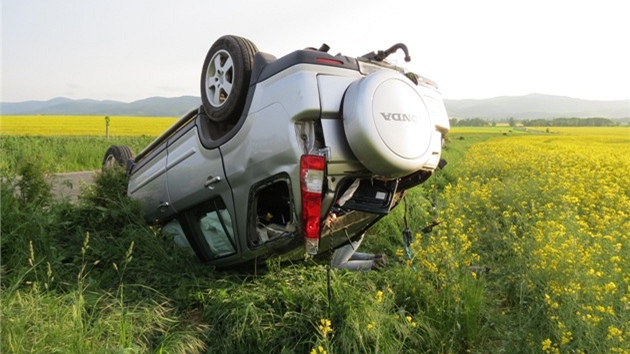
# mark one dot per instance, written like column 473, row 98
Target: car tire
column 225, row 78
column 117, row 155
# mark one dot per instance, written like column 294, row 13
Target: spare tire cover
column 387, row 124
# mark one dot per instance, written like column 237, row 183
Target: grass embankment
column 542, row 219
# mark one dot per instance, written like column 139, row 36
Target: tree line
column 570, row 122
column 556, row 122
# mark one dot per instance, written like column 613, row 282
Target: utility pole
column 107, row 127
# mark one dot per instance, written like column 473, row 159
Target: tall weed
column 73, row 281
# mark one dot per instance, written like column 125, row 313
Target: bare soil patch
column 69, row 184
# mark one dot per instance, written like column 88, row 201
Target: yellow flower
column 614, row 332
column 546, row 344
column 567, row 337
column 325, row 326
column 379, row 296
column 318, row 350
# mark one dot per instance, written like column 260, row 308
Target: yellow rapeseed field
column 83, row 125
column 499, row 129
column 605, row 133
column 550, row 214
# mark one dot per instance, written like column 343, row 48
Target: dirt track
column 69, row 184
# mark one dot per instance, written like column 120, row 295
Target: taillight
column 328, row 61
column 312, row 183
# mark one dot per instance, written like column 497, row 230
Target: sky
column 127, row 50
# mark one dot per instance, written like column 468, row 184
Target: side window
column 272, row 214
column 209, row 230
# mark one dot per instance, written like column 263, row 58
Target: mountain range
column 148, row 107
column 530, row 106
column 535, row 106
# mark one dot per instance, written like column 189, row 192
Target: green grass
column 92, row 277
column 61, row 154
column 100, row 280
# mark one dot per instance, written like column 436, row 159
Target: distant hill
column 148, row 107
column 534, row 106
column 531, row 106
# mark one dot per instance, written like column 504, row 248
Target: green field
column 531, row 256
column 62, row 153
column 52, row 140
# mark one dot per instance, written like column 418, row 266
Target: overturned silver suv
column 287, row 156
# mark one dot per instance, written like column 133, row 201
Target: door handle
column 211, row 180
column 163, row 206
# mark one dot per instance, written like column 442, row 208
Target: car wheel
column 117, row 155
column 225, row 78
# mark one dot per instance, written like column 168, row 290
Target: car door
column 198, row 190
column 148, row 185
